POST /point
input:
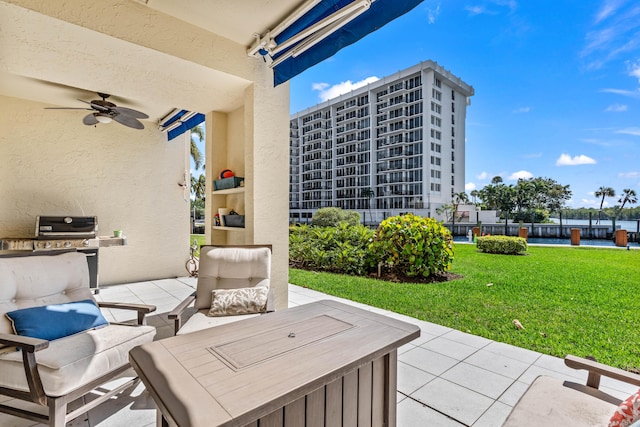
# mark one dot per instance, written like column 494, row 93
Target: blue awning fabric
column 180, row 122
column 379, row 13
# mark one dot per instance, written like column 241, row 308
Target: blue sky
column 557, row 85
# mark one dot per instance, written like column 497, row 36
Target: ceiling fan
column 105, row 111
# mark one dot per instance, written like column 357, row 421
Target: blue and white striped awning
column 179, row 121
column 320, row 28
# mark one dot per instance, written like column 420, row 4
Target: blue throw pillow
column 55, row 321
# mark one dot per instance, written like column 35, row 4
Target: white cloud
column 469, row 186
column 634, row 70
column 432, row 14
column 522, row 110
column 589, row 203
column 623, row 92
column 326, row 92
column 567, row 160
column 476, row 10
column 629, row 174
column 608, row 8
column 520, row 174
column 319, row 86
column 483, row 175
column 635, row 131
column 616, row 108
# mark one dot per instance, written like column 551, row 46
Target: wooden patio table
column 319, row 364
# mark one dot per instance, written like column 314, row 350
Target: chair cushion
column 231, row 268
column 51, row 322
column 627, row 413
column 232, row 302
column 77, row 359
column 33, row 281
column 200, row 321
column 552, row 402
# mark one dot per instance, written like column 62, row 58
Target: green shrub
column 413, row 246
column 502, row 245
column 343, row 249
column 331, row 217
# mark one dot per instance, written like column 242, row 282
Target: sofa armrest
column 176, row 313
column 596, row 370
column 28, row 344
column 142, row 309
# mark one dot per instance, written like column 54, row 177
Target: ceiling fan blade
column 102, row 106
column 131, row 122
column 130, row 112
column 90, row 120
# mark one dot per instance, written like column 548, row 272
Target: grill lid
column 75, row 227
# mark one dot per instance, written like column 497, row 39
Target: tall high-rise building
column 396, row 145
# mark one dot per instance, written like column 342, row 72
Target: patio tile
column 552, row 363
column 412, row 413
column 427, row 360
column 517, row 353
column 497, row 363
column 477, row 379
column 423, row 338
column 513, row 393
column 494, row 416
column 467, row 339
column 411, row 378
column 460, row 403
column 432, row 328
column 450, row 348
column 534, row 372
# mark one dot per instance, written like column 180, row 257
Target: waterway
column 554, row 241
column 632, row 226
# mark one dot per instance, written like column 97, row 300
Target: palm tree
column 197, row 134
column 628, row 196
column 604, row 192
column 474, row 194
column 198, row 186
column 368, row 194
column 456, row 199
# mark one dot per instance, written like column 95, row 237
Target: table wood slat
column 333, row 398
column 350, row 400
column 294, row 413
column 364, row 395
column 378, row 393
column 315, row 408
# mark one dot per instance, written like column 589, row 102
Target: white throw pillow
column 231, row 302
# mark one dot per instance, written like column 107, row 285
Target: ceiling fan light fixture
column 102, row 118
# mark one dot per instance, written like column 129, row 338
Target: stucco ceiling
column 50, row 60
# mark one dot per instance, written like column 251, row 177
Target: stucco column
column 267, row 171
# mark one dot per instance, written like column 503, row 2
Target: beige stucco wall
column 55, row 165
column 52, row 164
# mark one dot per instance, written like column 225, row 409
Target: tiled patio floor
column 445, row 377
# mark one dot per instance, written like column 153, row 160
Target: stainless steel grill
column 62, row 233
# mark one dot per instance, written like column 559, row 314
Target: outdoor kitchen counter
column 107, row 241
column 326, row 362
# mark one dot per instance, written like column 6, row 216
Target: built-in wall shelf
column 226, row 191
column 221, row 228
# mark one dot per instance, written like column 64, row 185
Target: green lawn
column 581, row 301
column 200, row 238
